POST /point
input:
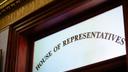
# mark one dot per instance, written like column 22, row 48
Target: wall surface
column 3, row 44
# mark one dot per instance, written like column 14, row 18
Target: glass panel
column 96, row 39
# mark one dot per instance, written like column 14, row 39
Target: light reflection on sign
column 94, row 40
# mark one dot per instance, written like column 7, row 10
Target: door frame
column 48, row 20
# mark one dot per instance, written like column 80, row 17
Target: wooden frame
column 125, row 3
column 55, row 17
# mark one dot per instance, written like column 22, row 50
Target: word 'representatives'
column 87, row 35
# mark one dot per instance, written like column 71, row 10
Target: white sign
column 97, row 39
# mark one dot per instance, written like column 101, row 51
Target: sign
column 96, row 39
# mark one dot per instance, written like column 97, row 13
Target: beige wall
column 22, row 12
column 3, row 44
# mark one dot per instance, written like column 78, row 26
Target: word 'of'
column 88, row 35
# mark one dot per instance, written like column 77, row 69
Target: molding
column 5, row 28
column 7, row 5
column 22, row 10
column 2, row 2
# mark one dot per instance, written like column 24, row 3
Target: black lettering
column 76, row 37
column 47, row 56
column 42, row 61
column 113, row 37
column 49, row 53
column 122, row 41
column 64, row 42
column 118, row 40
column 67, row 41
column 88, row 35
column 93, row 34
column 109, row 36
column 98, row 34
column 80, row 36
column 38, row 66
column 84, row 35
column 72, row 38
column 101, row 35
column 57, row 48
column 106, row 35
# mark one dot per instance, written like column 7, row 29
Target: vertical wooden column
column 22, row 55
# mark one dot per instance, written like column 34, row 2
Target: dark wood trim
column 56, row 17
column 45, row 21
column 19, row 53
column 113, row 65
column 10, row 57
column 125, row 9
